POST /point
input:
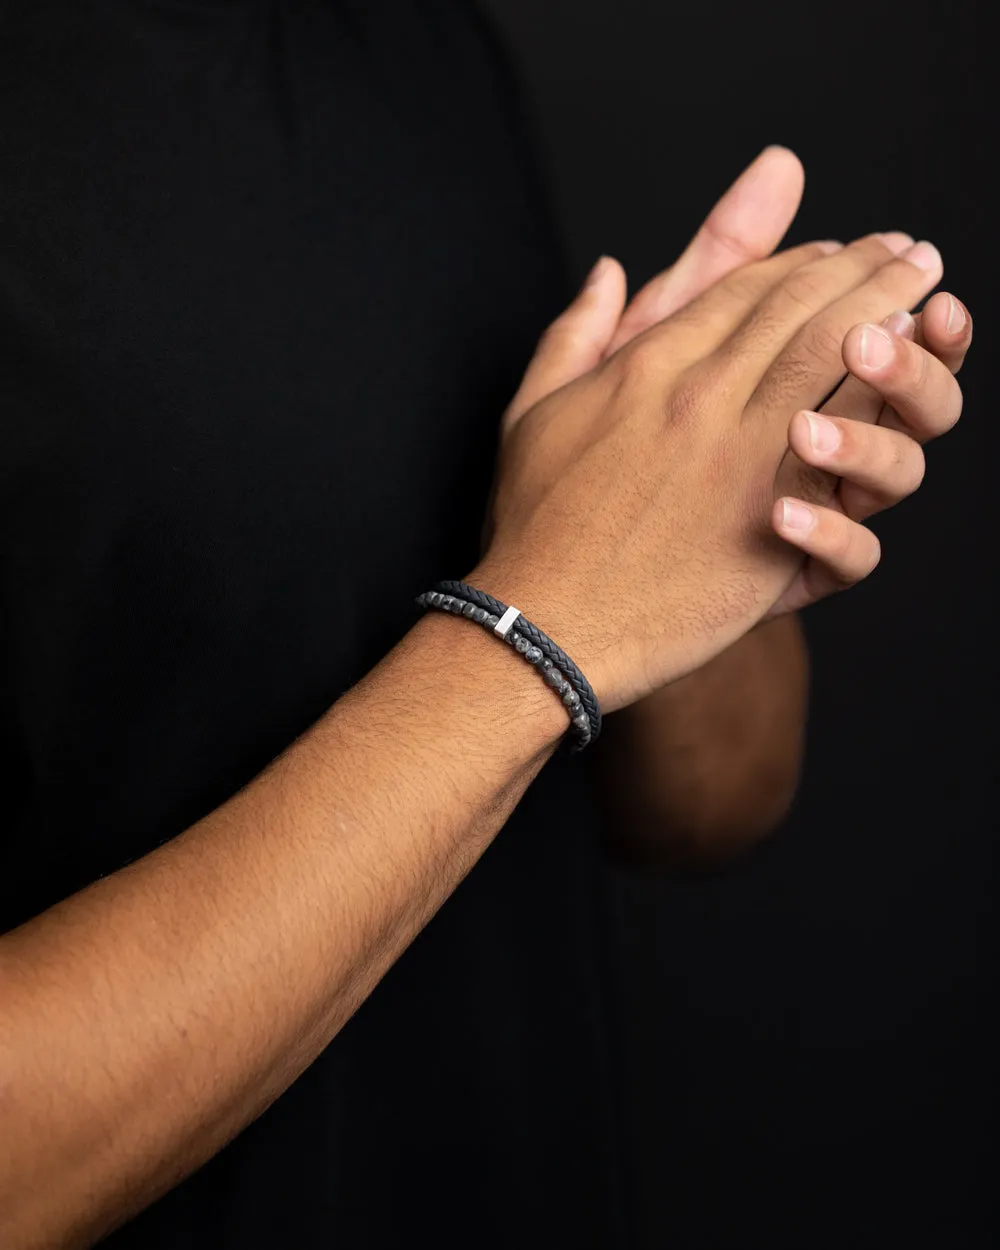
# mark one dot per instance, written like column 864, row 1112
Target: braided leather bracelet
column 555, row 666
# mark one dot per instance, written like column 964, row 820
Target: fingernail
column 823, row 435
column 597, row 273
column 924, row 255
column 797, row 516
column 876, row 348
column 830, row 246
column 956, row 315
column 896, row 241
column 901, row 323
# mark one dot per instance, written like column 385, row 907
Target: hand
column 900, row 392
column 746, row 224
column 633, row 504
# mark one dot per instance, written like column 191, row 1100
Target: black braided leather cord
column 580, row 732
column 559, row 658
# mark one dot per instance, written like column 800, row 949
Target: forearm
column 146, row 1020
column 709, row 763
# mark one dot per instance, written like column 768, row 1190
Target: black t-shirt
column 269, row 272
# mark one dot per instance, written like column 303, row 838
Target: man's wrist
column 501, row 696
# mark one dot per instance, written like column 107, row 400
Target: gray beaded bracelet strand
column 512, row 617
column 581, row 726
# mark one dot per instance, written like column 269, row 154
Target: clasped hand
column 673, row 472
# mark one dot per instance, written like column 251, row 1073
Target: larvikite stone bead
column 555, row 679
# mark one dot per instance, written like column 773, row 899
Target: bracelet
column 554, row 665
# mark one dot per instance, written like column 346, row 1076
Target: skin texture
column 707, row 394
column 706, row 766
column 147, row 1019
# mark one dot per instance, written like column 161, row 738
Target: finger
column 924, row 397
column 576, row 340
column 810, row 362
column 706, row 322
column 856, row 399
column 882, row 466
column 746, row 224
column 841, row 551
column 802, row 294
column 945, row 329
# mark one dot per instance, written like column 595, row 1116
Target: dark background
column 808, row 1058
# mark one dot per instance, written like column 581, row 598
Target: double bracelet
column 553, row 664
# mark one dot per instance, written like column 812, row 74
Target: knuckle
column 897, row 465
column 894, row 464
column 811, row 353
column 815, row 252
column 873, row 553
column 859, row 259
column 809, row 356
column 932, row 409
column 943, row 420
column 698, row 315
column 915, row 471
column 765, row 324
column 893, row 459
column 855, row 551
column 950, row 410
column 895, row 280
column 686, row 404
column 643, row 360
column 905, row 461
column 841, row 547
column 786, row 381
column 821, row 341
column 805, row 289
column 743, row 286
column 873, row 249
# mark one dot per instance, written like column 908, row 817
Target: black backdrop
column 808, row 1059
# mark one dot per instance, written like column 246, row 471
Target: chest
column 269, row 275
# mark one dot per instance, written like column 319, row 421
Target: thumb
column 746, row 224
column 576, row 341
